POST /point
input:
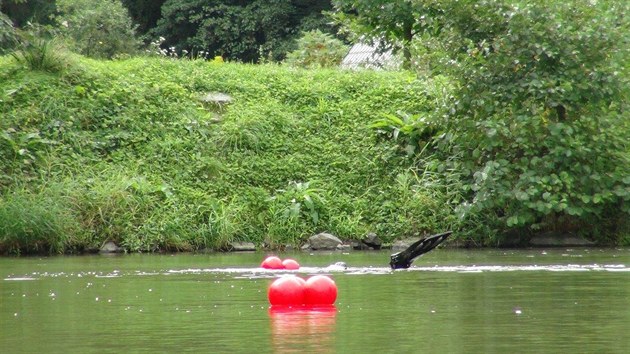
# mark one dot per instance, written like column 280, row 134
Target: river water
column 450, row 301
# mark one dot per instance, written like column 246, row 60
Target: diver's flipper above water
column 405, row 258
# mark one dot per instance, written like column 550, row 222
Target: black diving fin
column 404, row 258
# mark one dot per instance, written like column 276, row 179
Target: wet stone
column 324, row 241
column 373, row 241
column 110, row 247
column 242, row 247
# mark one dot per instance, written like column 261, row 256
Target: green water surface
column 450, row 301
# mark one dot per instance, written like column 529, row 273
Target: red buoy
column 290, row 264
column 272, row 262
column 287, row 291
column 320, row 290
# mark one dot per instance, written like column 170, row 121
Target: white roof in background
column 363, row 55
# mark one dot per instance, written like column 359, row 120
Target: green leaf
column 512, row 221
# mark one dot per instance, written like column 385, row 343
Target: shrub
column 39, row 49
column 9, row 38
column 101, row 29
column 317, row 50
column 540, row 116
column 43, row 54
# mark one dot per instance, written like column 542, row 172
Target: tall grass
column 37, row 222
column 44, row 55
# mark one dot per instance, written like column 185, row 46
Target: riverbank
column 168, row 155
column 163, row 155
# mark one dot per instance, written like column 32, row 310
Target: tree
column 391, row 23
column 540, row 115
column 537, row 120
column 145, row 13
column 23, row 11
column 236, row 29
column 317, row 50
column 100, row 29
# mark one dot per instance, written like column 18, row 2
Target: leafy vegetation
column 237, row 30
column 36, row 222
column 9, row 38
column 515, row 122
column 390, row 24
column 542, row 116
column 537, row 120
column 317, row 50
column 247, row 31
column 43, row 54
column 145, row 13
column 23, row 12
column 100, row 29
column 127, row 151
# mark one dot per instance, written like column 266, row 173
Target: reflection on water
column 303, row 329
column 450, row 301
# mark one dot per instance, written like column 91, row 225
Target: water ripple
column 260, row 273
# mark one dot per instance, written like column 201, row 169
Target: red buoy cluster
column 273, row 262
column 293, row 291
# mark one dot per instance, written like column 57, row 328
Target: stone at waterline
column 110, row 247
column 343, row 247
column 359, row 246
column 324, row 241
column 241, row 247
column 372, row 240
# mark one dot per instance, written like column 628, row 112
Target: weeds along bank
column 127, row 151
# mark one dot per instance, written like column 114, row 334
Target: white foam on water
column 260, row 273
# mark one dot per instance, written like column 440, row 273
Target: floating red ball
column 320, row 290
column 272, row 262
column 287, row 291
column 290, row 264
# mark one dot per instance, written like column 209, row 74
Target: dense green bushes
column 537, row 119
column 316, row 49
column 100, row 29
column 127, row 151
column 8, row 35
column 246, row 31
column 542, row 117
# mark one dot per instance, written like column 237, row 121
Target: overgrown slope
column 127, row 151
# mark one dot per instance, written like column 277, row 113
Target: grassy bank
column 127, row 151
